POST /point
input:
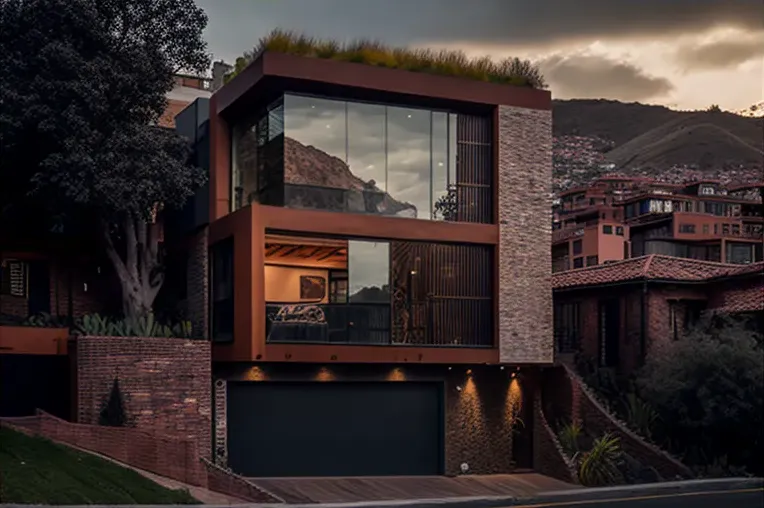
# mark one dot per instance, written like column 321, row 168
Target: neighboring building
column 372, row 257
column 618, row 218
column 186, row 90
column 617, row 314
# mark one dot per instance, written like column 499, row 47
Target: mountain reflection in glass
column 364, row 158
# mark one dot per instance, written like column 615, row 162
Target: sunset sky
column 686, row 54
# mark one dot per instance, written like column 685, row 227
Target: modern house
column 618, row 218
column 371, row 262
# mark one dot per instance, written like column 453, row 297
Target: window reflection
column 408, row 159
column 256, row 157
column 354, row 157
column 315, row 153
column 369, row 272
column 367, row 159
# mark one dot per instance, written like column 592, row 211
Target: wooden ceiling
column 305, row 251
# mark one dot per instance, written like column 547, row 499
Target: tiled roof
column 746, row 299
column 653, row 267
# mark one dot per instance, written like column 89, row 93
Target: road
column 743, row 498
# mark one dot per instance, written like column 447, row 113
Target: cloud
column 724, row 53
column 593, row 76
column 504, row 22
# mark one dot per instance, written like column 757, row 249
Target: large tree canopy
column 84, row 82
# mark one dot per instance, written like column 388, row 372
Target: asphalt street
column 744, row 498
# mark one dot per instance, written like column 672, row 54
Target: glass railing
column 445, row 322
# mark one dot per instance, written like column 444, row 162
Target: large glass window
column 367, row 158
column 369, row 272
column 257, row 155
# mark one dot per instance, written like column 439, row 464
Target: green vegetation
column 599, row 466
column 36, row 471
column 143, row 326
column 510, row 71
column 708, row 392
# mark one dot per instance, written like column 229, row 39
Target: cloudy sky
column 685, row 54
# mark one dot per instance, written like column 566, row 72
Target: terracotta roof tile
column 748, row 299
column 653, row 267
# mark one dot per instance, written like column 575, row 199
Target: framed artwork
column 312, row 288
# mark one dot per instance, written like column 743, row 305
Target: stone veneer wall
column 478, row 406
column 166, row 383
column 525, row 234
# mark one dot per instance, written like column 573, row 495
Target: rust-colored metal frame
column 275, row 73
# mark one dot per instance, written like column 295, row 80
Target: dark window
column 221, row 289
column 567, row 327
column 591, row 260
column 739, row 253
column 736, row 229
column 716, row 229
column 608, row 230
column 725, row 229
column 578, row 262
column 705, row 229
column 686, row 228
column 578, row 247
column 619, row 230
column 13, row 277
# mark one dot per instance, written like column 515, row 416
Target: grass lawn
column 35, row 470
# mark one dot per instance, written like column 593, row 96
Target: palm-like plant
column 640, row 415
column 569, row 436
column 599, row 466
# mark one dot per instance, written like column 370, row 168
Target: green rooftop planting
column 509, row 71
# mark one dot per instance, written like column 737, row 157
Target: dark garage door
column 334, row 429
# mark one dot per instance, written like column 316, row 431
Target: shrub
column 96, row 325
column 569, row 437
column 599, row 466
column 113, row 408
column 510, row 71
column 708, row 390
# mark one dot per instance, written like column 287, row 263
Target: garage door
column 334, row 429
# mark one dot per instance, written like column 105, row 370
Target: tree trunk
column 139, row 272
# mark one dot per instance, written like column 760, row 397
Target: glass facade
column 322, row 154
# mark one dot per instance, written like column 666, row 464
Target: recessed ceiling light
column 440, row 163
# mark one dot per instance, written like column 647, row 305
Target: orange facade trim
column 32, row 340
column 248, row 226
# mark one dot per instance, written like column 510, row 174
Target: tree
column 84, row 84
column 708, row 390
column 113, row 408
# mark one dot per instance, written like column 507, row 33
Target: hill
column 593, row 137
column 34, row 470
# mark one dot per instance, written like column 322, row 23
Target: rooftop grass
column 509, row 71
column 34, row 470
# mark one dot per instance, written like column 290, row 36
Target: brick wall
column 166, row 383
column 197, row 276
column 525, row 235
column 597, row 420
column 659, row 331
column 174, row 458
column 548, row 456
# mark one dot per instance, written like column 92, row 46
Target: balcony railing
column 444, row 322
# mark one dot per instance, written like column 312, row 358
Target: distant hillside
column 593, row 137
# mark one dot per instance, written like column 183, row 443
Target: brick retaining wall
column 597, row 420
column 166, row 384
column 548, row 456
